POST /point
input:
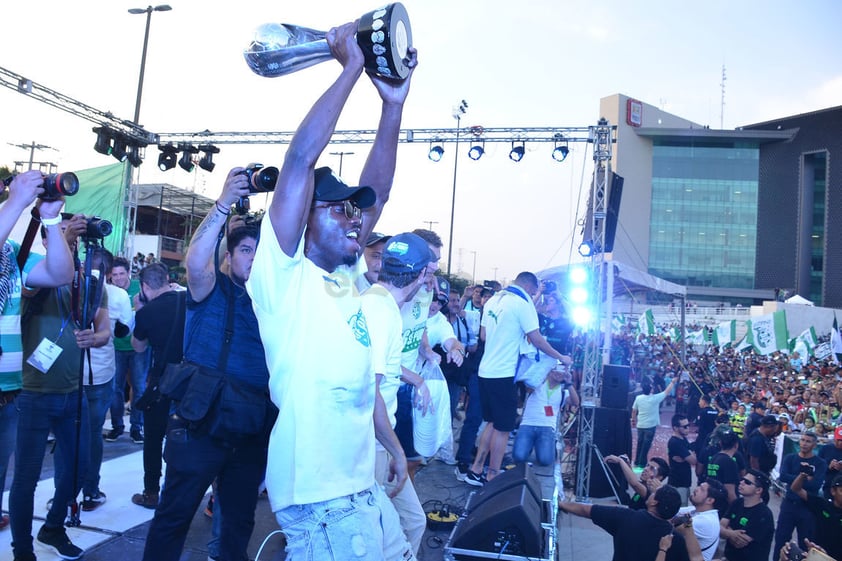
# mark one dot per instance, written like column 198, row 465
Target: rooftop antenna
column 722, row 100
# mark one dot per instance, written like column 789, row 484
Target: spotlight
column 436, row 153
column 206, row 163
column 560, row 149
column 186, row 160
column 134, row 156
column 476, row 151
column 516, row 153
column 586, row 249
column 119, row 149
column 103, row 140
column 168, row 157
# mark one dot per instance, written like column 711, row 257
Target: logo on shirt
column 360, row 328
column 412, row 338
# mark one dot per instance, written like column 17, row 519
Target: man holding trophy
column 320, row 473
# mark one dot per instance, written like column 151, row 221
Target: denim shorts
column 355, row 527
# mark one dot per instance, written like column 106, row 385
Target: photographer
column 218, row 446
column 826, row 512
column 652, row 478
column 794, row 512
column 53, row 343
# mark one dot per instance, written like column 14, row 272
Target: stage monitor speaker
column 615, row 386
column 612, row 435
column 521, row 474
column 612, row 215
column 508, row 522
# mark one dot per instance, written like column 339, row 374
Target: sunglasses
column 684, row 426
column 351, row 210
column 748, row 482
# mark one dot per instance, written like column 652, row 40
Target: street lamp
column 148, row 11
column 457, row 114
column 474, row 270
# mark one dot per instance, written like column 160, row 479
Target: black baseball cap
column 375, row 238
column 329, row 187
column 769, row 420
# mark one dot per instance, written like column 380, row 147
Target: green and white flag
column 646, row 323
column 805, row 343
column 618, row 323
column 675, row 333
column 725, row 333
column 696, row 337
column 768, row 333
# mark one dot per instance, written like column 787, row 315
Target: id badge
column 548, row 410
column 44, row 356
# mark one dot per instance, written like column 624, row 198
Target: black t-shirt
column 155, row 322
column 724, row 469
column 762, row 447
column 758, row 523
column 828, row 453
column 637, row 501
column 706, row 422
column 637, row 534
column 828, row 525
column 753, row 422
column 680, row 475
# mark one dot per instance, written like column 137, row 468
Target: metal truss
column 603, row 138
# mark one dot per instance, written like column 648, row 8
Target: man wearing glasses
column 320, row 472
column 681, row 458
column 748, row 525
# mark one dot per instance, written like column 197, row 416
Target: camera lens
column 58, row 185
column 265, row 179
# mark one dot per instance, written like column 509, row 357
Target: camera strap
column 29, row 237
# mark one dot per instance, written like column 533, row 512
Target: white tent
column 798, row 299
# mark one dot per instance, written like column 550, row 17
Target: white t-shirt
column 439, row 330
column 103, row 364
column 535, row 409
column 507, row 318
column 414, row 314
column 384, row 324
column 706, row 528
column 648, row 414
column 318, row 353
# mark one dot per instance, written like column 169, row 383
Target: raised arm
column 290, row 206
column 379, row 170
column 22, row 192
column 56, row 269
column 201, row 273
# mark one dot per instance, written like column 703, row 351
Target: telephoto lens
column 57, row 185
column 261, row 179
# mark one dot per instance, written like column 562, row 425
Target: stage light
column 560, row 148
column 476, row 151
column 103, row 140
column 134, row 155
column 119, row 149
column 586, row 249
column 168, row 157
column 206, row 163
column 579, row 288
column 516, row 153
column 186, row 160
column 436, row 153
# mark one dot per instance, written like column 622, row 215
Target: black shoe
column 146, row 499
column 56, row 539
column 137, row 436
column 461, row 471
column 93, row 502
column 28, row 556
column 113, row 435
column 472, row 478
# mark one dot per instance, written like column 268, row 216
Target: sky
column 533, row 63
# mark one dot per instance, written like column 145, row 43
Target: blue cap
column 406, row 253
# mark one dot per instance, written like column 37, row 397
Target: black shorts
column 499, row 402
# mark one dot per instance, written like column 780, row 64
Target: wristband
column 222, row 209
column 54, row 221
column 664, row 550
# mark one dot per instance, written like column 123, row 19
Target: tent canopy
column 627, row 280
column 798, row 299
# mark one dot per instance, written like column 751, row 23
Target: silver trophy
column 383, row 35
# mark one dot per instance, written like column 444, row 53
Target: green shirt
column 10, row 339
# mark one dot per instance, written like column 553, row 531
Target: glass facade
column 704, row 212
column 815, row 170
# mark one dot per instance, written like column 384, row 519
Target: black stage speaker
column 615, row 386
column 612, row 216
column 508, row 522
column 520, row 475
column 612, row 435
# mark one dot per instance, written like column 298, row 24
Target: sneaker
column 137, row 436
column 4, row 521
column 93, row 502
column 56, row 539
column 461, row 471
column 472, row 478
column 113, row 435
column 28, row 556
column 146, row 499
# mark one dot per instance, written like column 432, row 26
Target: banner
column 101, row 194
column 646, row 323
column 725, row 333
column 768, row 333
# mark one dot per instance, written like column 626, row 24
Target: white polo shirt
column 507, row 317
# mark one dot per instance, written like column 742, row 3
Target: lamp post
column 341, row 157
column 457, row 114
column 430, row 223
column 474, row 270
column 148, row 11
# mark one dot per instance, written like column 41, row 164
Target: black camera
column 56, row 185
column 807, row 469
column 550, row 286
column 97, row 228
column 261, row 179
column 794, row 552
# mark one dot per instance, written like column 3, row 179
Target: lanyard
column 65, row 320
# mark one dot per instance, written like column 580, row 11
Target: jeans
column 529, row 437
column 644, row 443
column 216, row 531
column 41, row 413
column 794, row 515
column 193, row 462
column 470, row 427
column 153, row 445
column 8, row 431
column 99, row 399
column 350, row 528
column 136, row 365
